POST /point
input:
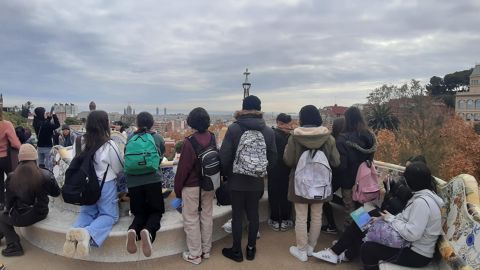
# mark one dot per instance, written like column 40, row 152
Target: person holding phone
column 42, row 123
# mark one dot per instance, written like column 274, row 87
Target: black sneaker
column 232, row 255
column 251, row 253
column 13, row 249
column 331, row 229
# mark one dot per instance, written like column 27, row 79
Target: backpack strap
column 78, row 146
column 104, row 177
column 198, row 150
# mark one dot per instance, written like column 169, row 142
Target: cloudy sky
column 181, row 54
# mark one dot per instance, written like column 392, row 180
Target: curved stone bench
column 49, row 234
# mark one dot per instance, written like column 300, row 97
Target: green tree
column 72, row 121
column 385, row 93
column 26, row 109
column 380, row 117
column 16, row 119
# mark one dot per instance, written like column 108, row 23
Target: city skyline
column 181, row 55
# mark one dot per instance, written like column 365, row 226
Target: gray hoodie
column 421, row 222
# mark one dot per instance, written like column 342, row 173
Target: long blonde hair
column 26, row 178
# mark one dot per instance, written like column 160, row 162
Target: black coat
column 250, row 120
column 354, row 148
column 279, row 171
column 28, row 208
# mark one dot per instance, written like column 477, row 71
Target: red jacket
column 188, row 169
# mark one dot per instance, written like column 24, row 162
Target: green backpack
column 141, row 155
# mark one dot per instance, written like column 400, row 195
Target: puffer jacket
column 245, row 120
column 305, row 138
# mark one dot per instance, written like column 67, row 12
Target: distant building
column 330, row 113
column 157, row 112
column 467, row 104
column 69, row 109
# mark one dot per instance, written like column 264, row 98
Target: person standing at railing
column 315, row 146
column 197, row 207
column 42, row 123
column 355, row 144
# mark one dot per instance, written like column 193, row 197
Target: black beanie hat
column 310, row 116
column 252, row 103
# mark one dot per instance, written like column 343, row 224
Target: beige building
column 467, row 104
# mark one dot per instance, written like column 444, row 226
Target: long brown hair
column 26, row 178
column 98, row 130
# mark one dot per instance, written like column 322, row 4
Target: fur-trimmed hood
column 363, row 150
column 250, row 119
column 311, row 137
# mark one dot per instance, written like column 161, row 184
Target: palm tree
column 381, row 117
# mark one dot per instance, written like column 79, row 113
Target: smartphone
column 52, row 110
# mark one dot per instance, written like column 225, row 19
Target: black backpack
column 81, row 185
column 209, row 160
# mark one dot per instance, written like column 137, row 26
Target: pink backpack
column 366, row 184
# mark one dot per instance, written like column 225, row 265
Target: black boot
column 13, row 249
column 251, row 253
column 232, row 255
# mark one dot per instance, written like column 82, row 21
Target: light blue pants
column 43, row 153
column 98, row 219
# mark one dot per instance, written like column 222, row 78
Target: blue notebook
column 361, row 218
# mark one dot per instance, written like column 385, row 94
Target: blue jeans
column 43, row 153
column 98, row 219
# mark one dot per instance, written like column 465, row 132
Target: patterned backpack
column 251, row 155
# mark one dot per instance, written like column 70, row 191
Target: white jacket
column 421, row 222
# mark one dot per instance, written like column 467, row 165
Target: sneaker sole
column 83, row 248
column 131, row 242
column 146, row 244
column 324, row 259
column 69, row 248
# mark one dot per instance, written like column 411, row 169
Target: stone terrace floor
column 272, row 253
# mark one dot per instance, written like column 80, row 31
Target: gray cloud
column 182, row 54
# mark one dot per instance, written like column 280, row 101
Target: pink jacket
column 7, row 134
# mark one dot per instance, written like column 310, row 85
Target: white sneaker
column 326, row 255
column 83, row 238
column 146, row 242
column 131, row 241
column 309, row 251
column 228, row 226
column 258, row 235
column 342, row 258
column 191, row 259
column 301, row 255
column 274, row 225
column 70, row 246
column 286, row 225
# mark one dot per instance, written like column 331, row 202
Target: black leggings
column 372, row 253
column 280, row 206
column 245, row 201
column 352, row 239
column 147, row 206
column 5, row 168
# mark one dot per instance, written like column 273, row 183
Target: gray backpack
column 313, row 176
column 251, row 155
